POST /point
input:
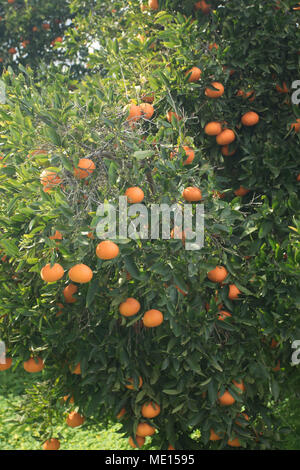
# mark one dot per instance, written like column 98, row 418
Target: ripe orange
column 80, row 273
column 135, row 113
column 12, row 50
column 46, row 26
column 71, row 400
column 144, row 429
column 34, row 29
column 107, row 250
column 150, row 410
column 226, row 399
column 213, row 436
column 213, row 128
column 76, row 370
column 239, row 385
column 56, row 236
column 170, row 447
column 214, row 45
column 34, row 365
column 129, row 307
column 85, row 168
column 234, row 442
column 134, row 195
column 218, row 274
column 226, row 137
column 296, row 125
column 121, row 413
column 246, row 95
column 51, row 444
column 10, row 1
column 74, row 419
column 195, row 74
column 49, row 178
column 203, row 6
column 170, row 114
column 250, row 119
column 298, row 176
column 241, row 191
column 7, row 364
column 131, row 386
column 68, row 293
column 153, row 318
column 153, row 4
column 190, row 153
column 223, row 315
column 140, row 441
column 212, row 93
column 234, row 292
column 245, row 416
column 49, row 274
column 277, row 367
column 283, row 89
column 225, row 151
column 192, row 194
column 147, row 110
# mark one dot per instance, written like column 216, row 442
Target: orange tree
column 208, row 366
column 33, row 31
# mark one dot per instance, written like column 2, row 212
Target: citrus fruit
column 213, row 436
column 51, row 444
column 134, row 195
column 131, row 382
column 7, row 364
column 226, row 137
column 192, row 194
column 153, row 318
column 195, row 74
column 34, row 365
column 74, row 419
column 226, row 399
column 139, row 440
column 80, row 273
column 215, row 91
column 150, row 410
column 250, row 119
column 234, row 292
column 129, row 307
column 85, row 168
column 107, row 250
column 213, row 128
column 218, row 274
column 144, row 429
column 52, row 274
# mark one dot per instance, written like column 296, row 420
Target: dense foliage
column 193, row 357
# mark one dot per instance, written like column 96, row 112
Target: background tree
column 33, row 32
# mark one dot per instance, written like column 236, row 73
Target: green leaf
column 143, row 154
column 92, row 290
